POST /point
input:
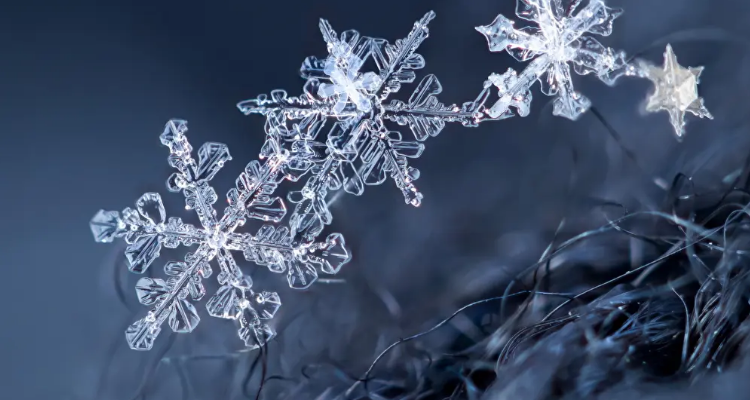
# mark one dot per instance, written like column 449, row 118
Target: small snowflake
column 559, row 39
column 675, row 91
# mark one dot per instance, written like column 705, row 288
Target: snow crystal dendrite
column 146, row 230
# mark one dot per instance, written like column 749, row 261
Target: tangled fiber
column 673, row 323
column 668, row 316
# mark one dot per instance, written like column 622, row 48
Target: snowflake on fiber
column 558, row 39
column 146, row 230
column 336, row 129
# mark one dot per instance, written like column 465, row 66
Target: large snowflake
column 336, row 131
column 146, row 230
column 559, row 39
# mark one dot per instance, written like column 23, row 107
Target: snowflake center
column 558, row 54
column 244, row 303
column 217, row 240
column 558, row 49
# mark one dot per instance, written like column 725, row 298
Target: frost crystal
column 559, row 39
column 146, row 229
column 675, row 90
column 357, row 148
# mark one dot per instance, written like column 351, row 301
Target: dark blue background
column 86, row 87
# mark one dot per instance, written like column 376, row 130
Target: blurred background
column 87, row 86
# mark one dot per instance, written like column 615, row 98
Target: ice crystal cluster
column 561, row 38
column 333, row 135
column 342, row 134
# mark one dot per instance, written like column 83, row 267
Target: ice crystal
column 559, row 39
column 336, row 129
column 146, row 229
column 338, row 134
column 675, row 90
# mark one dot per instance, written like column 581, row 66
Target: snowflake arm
column 426, row 115
column 397, row 62
column 145, row 232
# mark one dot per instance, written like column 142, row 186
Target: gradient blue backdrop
column 86, row 87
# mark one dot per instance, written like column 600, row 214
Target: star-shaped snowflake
column 676, row 91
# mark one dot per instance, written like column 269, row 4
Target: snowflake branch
column 400, row 58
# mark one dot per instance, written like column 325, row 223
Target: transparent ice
column 675, row 90
column 336, row 130
column 559, row 39
column 339, row 135
column 146, row 229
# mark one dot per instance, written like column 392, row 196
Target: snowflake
column 336, row 129
column 558, row 40
column 675, row 90
column 146, row 230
